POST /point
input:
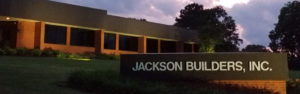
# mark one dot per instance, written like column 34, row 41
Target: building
column 69, row 28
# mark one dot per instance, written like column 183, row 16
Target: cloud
column 241, row 32
column 160, row 11
column 256, row 18
column 229, row 3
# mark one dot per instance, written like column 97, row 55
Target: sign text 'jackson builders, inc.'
column 208, row 66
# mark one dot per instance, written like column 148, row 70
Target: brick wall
column 277, row 86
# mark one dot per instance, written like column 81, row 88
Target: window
column 82, row 37
column 152, row 46
column 128, row 43
column 55, row 34
column 168, row 46
column 196, row 48
column 8, row 33
column 188, row 47
column 109, row 41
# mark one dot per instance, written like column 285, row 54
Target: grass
column 42, row 75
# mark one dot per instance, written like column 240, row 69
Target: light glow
column 81, row 59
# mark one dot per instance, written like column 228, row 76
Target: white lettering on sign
column 202, row 66
column 158, row 66
column 259, row 66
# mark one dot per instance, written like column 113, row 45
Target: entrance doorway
column 8, row 33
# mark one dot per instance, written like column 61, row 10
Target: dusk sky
column 254, row 18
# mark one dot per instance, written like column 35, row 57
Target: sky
column 254, row 18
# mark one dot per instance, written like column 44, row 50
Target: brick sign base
column 276, row 86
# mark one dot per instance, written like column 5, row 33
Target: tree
column 215, row 27
column 285, row 37
column 255, row 48
column 226, row 47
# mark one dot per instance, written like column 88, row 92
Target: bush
column 22, row 51
column 36, row 52
column 62, row 55
column 10, row 51
column 90, row 54
column 2, row 52
column 72, row 56
column 50, row 52
column 75, row 56
column 107, row 57
column 113, row 57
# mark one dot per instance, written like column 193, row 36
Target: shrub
column 113, row 57
column 50, row 52
column 10, row 51
column 90, row 54
column 107, row 57
column 100, row 56
column 36, row 52
column 62, row 55
column 22, row 51
column 74, row 56
column 2, row 52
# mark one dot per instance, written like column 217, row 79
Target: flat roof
column 55, row 12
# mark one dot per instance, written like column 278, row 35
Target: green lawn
column 44, row 75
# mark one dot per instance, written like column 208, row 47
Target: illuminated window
column 188, row 47
column 109, row 41
column 152, row 46
column 168, row 46
column 82, row 37
column 128, row 43
column 55, row 34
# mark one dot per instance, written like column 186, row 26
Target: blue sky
column 255, row 18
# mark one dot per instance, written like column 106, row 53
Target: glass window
column 82, row 37
column 188, row 47
column 109, row 41
column 196, row 48
column 55, row 34
column 168, row 46
column 152, row 46
column 128, row 43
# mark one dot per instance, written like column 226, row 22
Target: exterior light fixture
column 7, row 18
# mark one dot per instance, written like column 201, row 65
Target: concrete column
column 25, row 37
column 193, row 48
column 159, row 46
column 68, row 36
column 99, row 41
column 102, row 41
column 179, row 46
column 142, row 42
column 39, row 36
